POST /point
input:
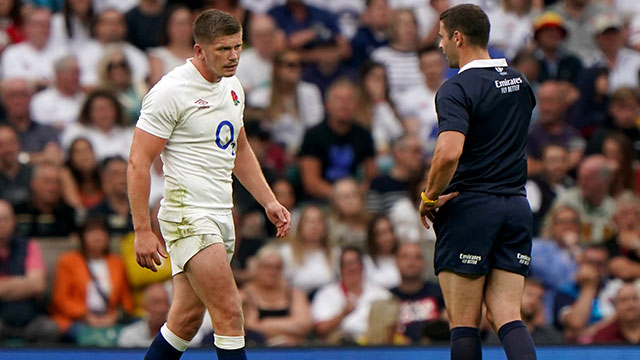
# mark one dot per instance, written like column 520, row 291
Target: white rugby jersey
column 201, row 121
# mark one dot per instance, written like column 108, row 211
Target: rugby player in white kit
column 192, row 118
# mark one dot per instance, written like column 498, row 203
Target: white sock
column 174, row 340
column 228, row 342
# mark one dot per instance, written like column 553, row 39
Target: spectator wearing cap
column 555, row 63
column 577, row 16
column 623, row 63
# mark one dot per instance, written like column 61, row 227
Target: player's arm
column 145, row 148
column 248, row 171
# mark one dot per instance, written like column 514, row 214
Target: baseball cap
column 548, row 20
column 606, row 21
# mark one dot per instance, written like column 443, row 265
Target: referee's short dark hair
column 470, row 20
column 214, row 23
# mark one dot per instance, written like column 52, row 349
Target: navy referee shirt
column 491, row 105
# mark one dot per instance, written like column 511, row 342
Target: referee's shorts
column 477, row 232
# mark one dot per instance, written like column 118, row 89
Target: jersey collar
column 484, row 63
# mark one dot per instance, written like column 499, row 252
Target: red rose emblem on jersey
column 234, row 97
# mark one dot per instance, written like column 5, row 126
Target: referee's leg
column 210, row 276
column 503, row 296
column 463, row 301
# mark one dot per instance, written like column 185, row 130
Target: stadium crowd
column 340, row 111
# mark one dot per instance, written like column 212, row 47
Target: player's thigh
column 503, row 296
column 462, row 297
column 187, row 311
column 512, row 249
column 210, row 276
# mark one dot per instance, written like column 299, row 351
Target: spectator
column 621, row 61
column 532, row 314
column 309, row 257
column 45, row 214
column 115, row 76
column 400, row 57
column 102, row 122
column 421, row 302
column 14, row 176
column 526, row 62
column 291, row 106
column 372, row 32
column 144, row 24
column 577, row 16
column 115, row 206
column 255, row 69
column 512, row 25
column 110, row 28
column 624, row 107
column 22, row 285
column 417, row 105
column 404, row 212
column 380, row 260
column 552, row 127
column 591, row 198
column 327, row 69
column 591, row 109
column 579, row 307
column 272, row 308
column 556, row 252
column 176, row 43
column 11, row 24
column 71, row 28
column 235, row 8
column 307, row 27
column 90, row 288
column 59, row 105
column 340, row 310
column 408, row 166
column 625, row 327
column 33, row 58
column 348, row 216
column 38, row 142
column 337, row 147
column 554, row 61
column 617, row 148
column 156, row 302
column 376, row 112
column 553, row 180
column 81, row 185
column 624, row 246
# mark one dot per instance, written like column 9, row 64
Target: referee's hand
column 429, row 212
column 148, row 250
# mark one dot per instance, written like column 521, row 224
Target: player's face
column 448, row 46
column 222, row 55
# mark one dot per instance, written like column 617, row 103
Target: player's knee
column 187, row 322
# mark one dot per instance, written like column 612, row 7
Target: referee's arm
column 445, row 161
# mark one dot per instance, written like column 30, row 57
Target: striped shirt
column 403, row 68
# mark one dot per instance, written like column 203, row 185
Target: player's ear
column 458, row 38
column 197, row 49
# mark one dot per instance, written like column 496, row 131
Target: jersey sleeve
column 452, row 109
column 159, row 114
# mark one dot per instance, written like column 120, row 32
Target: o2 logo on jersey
column 223, row 143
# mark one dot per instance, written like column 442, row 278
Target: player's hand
column 148, row 250
column 280, row 217
column 429, row 212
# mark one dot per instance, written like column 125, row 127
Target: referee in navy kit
column 483, row 221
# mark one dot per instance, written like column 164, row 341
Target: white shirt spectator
column 169, row 60
column 403, row 69
column 419, row 103
column 406, row 222
column 89, row 58
column 385, row 127
column 121, row 5
column 51, row 107
column 253, row 71
column 331, row 300
column 509, row 31
column 60, row 37
column 383, row 272
column 315, row 271
column 24, row 61
column 624, row 73
column 116, row 142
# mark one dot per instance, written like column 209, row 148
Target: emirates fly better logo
column 234, row 97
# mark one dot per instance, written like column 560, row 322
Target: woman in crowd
column 375, row 109
column 310, row 261
column 115, row 75
column 348, row 217
column 71, row 28
column 90, row 289
column 102, row 122
column 624, row 247
column 617, row 148
column 290, row 104
column 176, row 42
column 81, row 186
column 380, row 262
column 272, row 308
